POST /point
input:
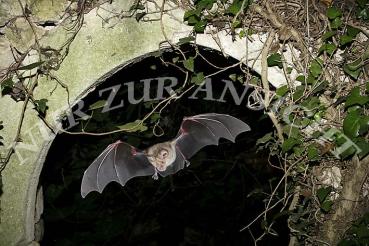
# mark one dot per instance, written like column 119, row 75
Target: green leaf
column 322, row 193
column 311, row 80
column 189, row 64
column 195, row 14
column 316, row 134
column 363, row 232
column 200, row 26
column 139, row 16
column 186, row 40
column 193, row 20
column 345, row 39
column 353, row 69
column 242, row 34
column 363, row 145
column 333, row 13
column 363, row 13
column 9, row 83
column 154, row 117
column 328, row 35
column 266, row 138
column 336, row 23
column 315, row 68
column 355, row 65
column 175, row 59
column 313, row 153
column 135, row 126
column 361, row 3
column 97, row 105
column 31, row 66
column 275, row 60
column 289, row 143
column 6, row 86
column 292, row 131
column 157, row 53
column 364, row 125
column 204, row 4
column 235, row 7
column 297, row 151
column 254, row 80
column 41, row 105
column 346, row 242
column 353, row 73
column 299, row 92
column 301, row 78
column 326, row 206
column 329, row 48
column 351, row 124
column 233, row 77
column 198, row 78
column 355, row 98
column 236, row 24
column 320, row 88
column 352, row 31
column 281, row 91
column 137, row 6
column 311, row 103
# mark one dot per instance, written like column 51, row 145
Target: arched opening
column 205, row 204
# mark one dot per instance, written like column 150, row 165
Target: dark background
column 207, row 203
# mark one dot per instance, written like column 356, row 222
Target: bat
column 121, row 162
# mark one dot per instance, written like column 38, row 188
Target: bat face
column 161, row 155
column 120, row 161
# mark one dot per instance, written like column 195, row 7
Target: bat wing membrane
column 206, row 129
column 119, row 162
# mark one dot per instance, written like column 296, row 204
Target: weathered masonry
column 103, row 46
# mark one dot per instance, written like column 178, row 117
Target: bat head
column 161, row 155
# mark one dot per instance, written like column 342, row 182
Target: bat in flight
column 120, row 161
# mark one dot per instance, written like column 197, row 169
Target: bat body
column 120, row 161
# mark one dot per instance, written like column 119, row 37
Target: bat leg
column 155, row 176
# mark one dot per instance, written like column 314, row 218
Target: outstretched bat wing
column 201, row 130
column 119, row 162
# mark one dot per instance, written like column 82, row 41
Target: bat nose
column 161, row 168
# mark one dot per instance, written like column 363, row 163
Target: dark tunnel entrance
column 205, row 204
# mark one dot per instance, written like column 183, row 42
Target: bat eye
column 163, row 153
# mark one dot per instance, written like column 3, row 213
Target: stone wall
column 99, row 50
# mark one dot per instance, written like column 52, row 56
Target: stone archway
column 97, row 52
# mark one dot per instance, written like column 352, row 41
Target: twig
column 19, row 128
column 264, row 67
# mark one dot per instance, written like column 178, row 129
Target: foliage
column 304, row 107
column 358, row 234
column 331, row 78
column 362, row 9
column 200, row 15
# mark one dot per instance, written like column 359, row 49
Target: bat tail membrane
column 119, row 162
column 206, row 129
